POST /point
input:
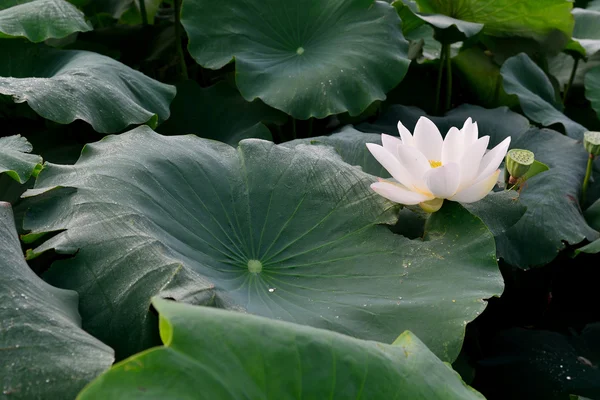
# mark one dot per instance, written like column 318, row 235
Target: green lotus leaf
column 592, row 215
column 523, row 78
column 591, row 248
column 350, row 144
column 45, row 353
column 38, row 20
column 526, row 18
column 308, row 58
column 292, row 234
column 592, row 88
column 480, row 77
column 553, row 215
column 448, row 29
column 218, row 112
column 65, row 85
column 560, row 66
column 224, row 354
column 586, row 35
column 127, row 11
column 15, row 159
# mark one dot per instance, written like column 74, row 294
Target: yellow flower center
column 435, row 164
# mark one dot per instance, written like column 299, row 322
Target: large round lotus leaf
column 38, row 20
column 218, row 112
column 522, row 77
column 553, row 215
column 592, row 88
column 228, row 355
column 45, row 353
column 65, row 85
column 309, row 58
column 528, row 18
column 290, row 234
column 15, row 159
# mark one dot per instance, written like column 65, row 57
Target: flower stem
column 178, row 36
column 448, row 59
column 143, row 12
column 571, row 79
column 588, row 173
column 439, row 80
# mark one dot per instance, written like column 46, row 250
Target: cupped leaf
column 527, row 18
column 65, row 85
column 592, row 88
column 38, row 20
column 308, row 58
column 15, row 159
column 522, row 77
column 447, row 29
column 553, row 215
column 220, row 113
column 224, row 354
column 45, row 353
column 291, row 234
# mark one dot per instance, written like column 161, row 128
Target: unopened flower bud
column 518, row 162
column 591, row 142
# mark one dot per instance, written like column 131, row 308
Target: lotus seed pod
column 591, row 142
column 518, row 162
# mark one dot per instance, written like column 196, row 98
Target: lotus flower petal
column 398, row 193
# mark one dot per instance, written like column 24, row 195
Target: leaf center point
column 254, row 266
column 300, row 51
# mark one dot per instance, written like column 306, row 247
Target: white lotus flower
column 429, row 169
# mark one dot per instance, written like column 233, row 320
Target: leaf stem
column 178, row 37
column 571, row 79
column 588, row 174
column 143, row 12
column 439, row 80
column 293, row 128
column 448, row 59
